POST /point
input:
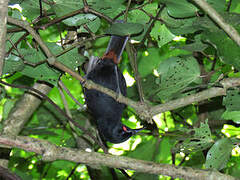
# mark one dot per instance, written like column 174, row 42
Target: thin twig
column 131, row 9
column 101, row 15
column 152, row 24
column 59, row 19
column 64, row 101
column 85, row 3
column 229, row 5
column 132, row 55
column 126, row 12
column 72, row 171
column 18, row 41
column 183, row 160
column 61, row 84
column 89, row 31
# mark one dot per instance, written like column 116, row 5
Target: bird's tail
column 115, row 48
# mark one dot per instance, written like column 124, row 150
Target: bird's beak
column 134, row 131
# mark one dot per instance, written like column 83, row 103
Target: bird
column 106, row 111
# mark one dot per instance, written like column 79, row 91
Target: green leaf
column 196, row 160
column 79, row 19
column 13, row 38
column 31, row 9
column 197, row 45
column 107, row 7
column 180, row 9
column 180, row 26
column 235, row 7
column 145, row 150
column 41, row 72
column 148, row 61
column 218, row 5
column 201, row 140
column 125, row 29
column 176, row 73
column 72, row 59
column 52, row 34
column 92, row 25
column 219, row 154
column 62, row 7
column 164, row 155
column 231, row 101
column 140, row 176
column 149, row 86
column 161, row 34
column 230, row 130
column 232, row 115
column 46, row 116
column 44, row 72
column 223, row 43
column 12, row 64
column 8, row 105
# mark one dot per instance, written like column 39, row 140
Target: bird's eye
column 124, row 128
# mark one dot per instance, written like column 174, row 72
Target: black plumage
column 106, row 111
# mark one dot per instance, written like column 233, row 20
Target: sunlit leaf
column 148, row 61
column 161, row 34
column 232, row 115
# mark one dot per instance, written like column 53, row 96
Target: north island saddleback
column 105, row 110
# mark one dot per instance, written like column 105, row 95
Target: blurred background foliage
column 180, row 51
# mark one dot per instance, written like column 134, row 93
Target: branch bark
column 3, row 29
column 231, row 31
column 23, row 110
column 51, row 152
column 144, row 110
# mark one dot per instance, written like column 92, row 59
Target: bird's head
column 117, row 134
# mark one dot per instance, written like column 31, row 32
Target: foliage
column 180, row 52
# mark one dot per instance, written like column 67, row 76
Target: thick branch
column 231, row 31
column 144, row 110
column 3, row 21
column 51, row 152
column 28, row 103
column 23, row 110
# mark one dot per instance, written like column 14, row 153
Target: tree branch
column 231, row 31
column 51, row 152
column 23, row 110
column 25, row 25
column 3, row 21
column 144, row 110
